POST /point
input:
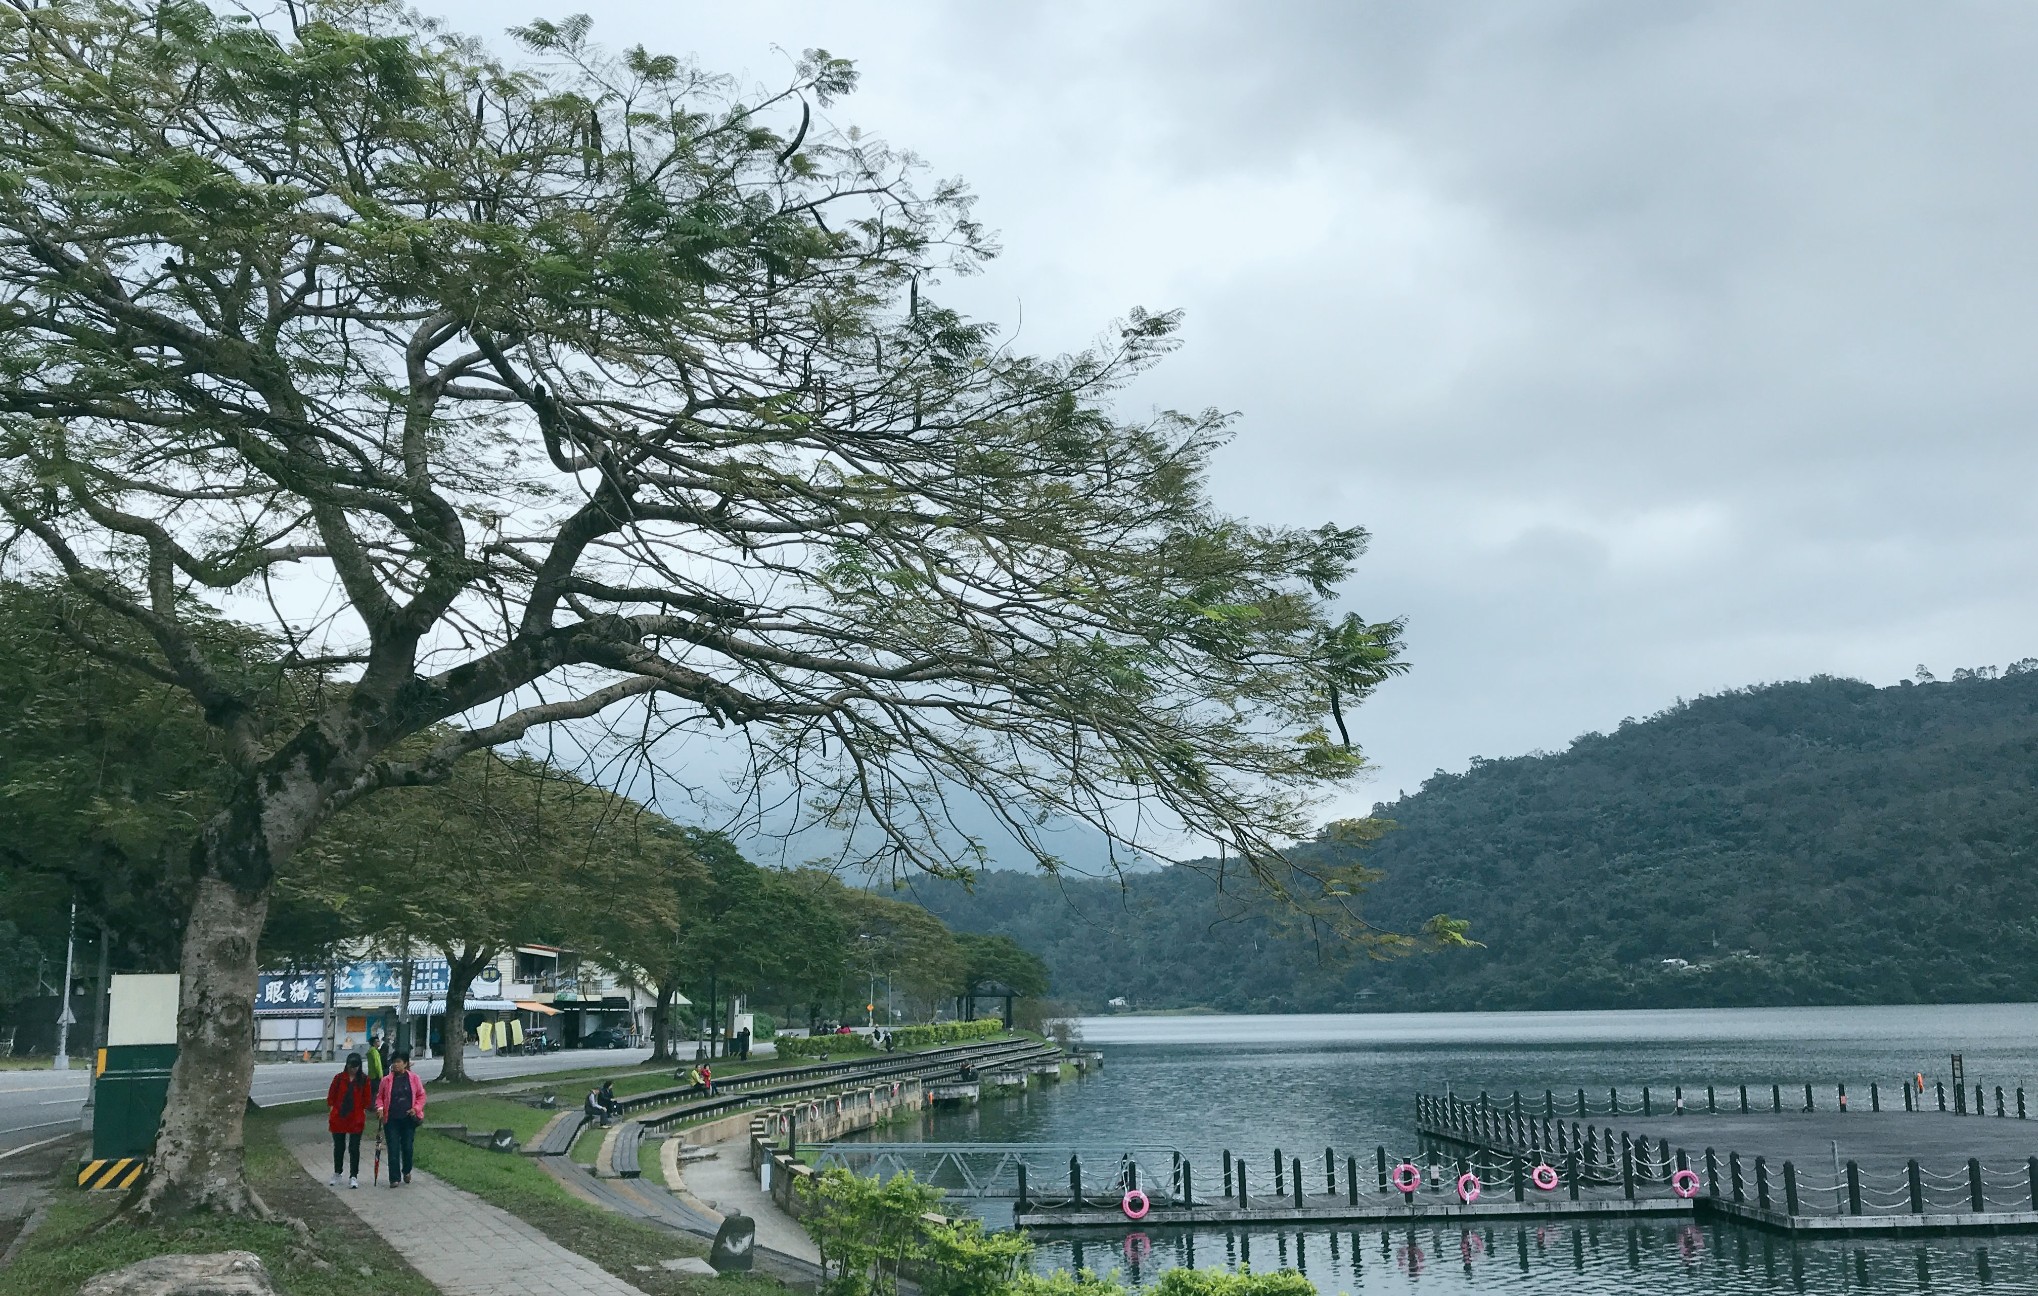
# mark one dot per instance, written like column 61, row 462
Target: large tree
column 590, row 387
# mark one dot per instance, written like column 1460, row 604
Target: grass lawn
column 588, row 1146
column 484, row 1113
column 344, row 1257
column 615, row 1242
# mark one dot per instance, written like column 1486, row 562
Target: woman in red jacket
column 347, row 1100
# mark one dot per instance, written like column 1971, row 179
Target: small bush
column 813, row 1046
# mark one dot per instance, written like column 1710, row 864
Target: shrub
column 813, row 1046
column 947, row 1033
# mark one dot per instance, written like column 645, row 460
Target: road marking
column 30, row 1147
column 51, row 1102
column 4, row 1090
column 23, row 1129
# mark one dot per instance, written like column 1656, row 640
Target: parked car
column 612, row 1037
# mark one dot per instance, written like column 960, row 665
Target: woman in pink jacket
column 400, row 1103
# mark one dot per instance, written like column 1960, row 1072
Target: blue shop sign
column 298, row 993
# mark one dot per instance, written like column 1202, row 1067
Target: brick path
column 461, row 1244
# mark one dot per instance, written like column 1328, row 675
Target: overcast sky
column 1663, row 348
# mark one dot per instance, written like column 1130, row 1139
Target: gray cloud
column 1664, row 348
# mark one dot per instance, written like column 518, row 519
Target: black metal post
column 1843, row 1098
column 1744, row 1100
column 1352, row 1180
column 1613, row 1100
column 1517, row 1104
column 1980, row 1107
column 1907, row 1096
column 1280, row 1185
column 1734, row 1171
column 1874, row 1096
column 1940, row 1085
column 1227, row 1173
column 1383, row 1169
column 1076, row 1182
column 1776, row 1096
column 1581, row 1104
column 1808, row 1095
column 1627, row 1166
column 2020, row 1102
column 1571, row 1173
column 1712, row 1173
column 1711, row 1106
column 1999, row 1100
column 1917, row 1187
column 1329, row 1172
column 1974, row 1192
column 1188, row 1184
column 2031, row 1172
column 1244, row 1200
column 1790, row 1188
column 1645, row 1101
column 1853, row 1188
column 1297, row 1167
column 1549, row 1104
column 1020, row 1207
column 1762, row 1183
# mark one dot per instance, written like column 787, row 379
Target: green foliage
column 951, row 1032
column 871, row 1233
column 813, row 1046
column 1001, row 961
column 1216, row 1282
column 1816, row 842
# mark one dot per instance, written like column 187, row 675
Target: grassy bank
column 627, row 1248
column 341, row 1257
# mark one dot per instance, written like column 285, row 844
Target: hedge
column 813, row 1046
column 948, row 1033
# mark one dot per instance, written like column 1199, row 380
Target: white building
column 531, row 994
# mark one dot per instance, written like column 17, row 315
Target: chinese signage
column 374, row 982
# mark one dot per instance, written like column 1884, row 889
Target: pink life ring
column 1468, row 1187
column 1134, row 1212
column 1406, row 1177
column 1544, row 1177
column 1685, row 1184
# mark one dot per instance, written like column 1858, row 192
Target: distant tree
column 504, row 850
column 591, row 384
column 999, row 961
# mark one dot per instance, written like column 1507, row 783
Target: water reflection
column 1566, row 1257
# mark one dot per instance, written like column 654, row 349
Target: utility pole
column 66, row 1017
column 98, row 1024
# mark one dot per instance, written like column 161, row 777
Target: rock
column 688, row 1265
column 224, row 1273
column 733, row 1244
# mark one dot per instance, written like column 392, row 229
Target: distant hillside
column 1816, row 842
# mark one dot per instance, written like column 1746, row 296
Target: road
column 36, row 1106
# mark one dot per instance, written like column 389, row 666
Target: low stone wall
column 820, row 1120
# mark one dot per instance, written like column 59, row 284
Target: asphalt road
column 38, row 1106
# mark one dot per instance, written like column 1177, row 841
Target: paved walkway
column 461, row 1244
column 726, row 1184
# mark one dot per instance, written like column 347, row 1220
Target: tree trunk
column 661, row 1023
column 198, row 1157
column 461, row 969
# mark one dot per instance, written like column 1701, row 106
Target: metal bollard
column 1352, row 1180
column 1297, row 1168
column 1280, row 1185
column 1974, row 1193
column 1762, row 1183
column 1329, row 1172
column 1244, row 1201
column 1853, row 1188
column 1227, row 1173
column 1571, row 1173
column 1917, row 1187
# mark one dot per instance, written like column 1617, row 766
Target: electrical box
column 134, row 1068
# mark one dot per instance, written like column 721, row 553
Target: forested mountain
column 1817, row 842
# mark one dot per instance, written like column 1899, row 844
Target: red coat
column 354, row 1118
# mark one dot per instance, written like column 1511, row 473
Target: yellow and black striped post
column 111, row 1173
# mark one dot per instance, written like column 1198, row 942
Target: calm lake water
column 1204, row 1085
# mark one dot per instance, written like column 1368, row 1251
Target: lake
column 1204, row 1085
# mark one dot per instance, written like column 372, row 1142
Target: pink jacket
column 417, row 1096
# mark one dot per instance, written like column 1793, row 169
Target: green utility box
column 128, row 1103
column 133, row 1072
